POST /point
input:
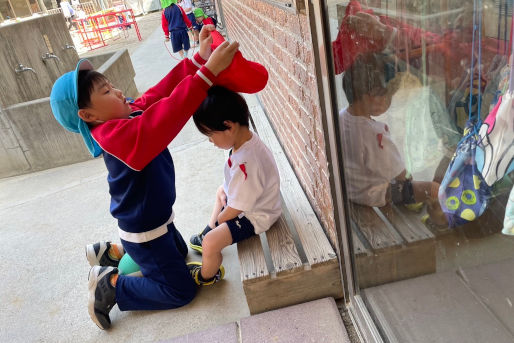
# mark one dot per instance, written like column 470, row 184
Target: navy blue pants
column 167, row 282
column 179, row 40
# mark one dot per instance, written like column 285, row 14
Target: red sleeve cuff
column 206, row 75
column 198, row 61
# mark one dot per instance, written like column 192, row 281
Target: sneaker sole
column 92, row 283
column 197, row 248
column 91, row 254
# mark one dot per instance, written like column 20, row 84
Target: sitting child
column 248, row 202
column 374, row 169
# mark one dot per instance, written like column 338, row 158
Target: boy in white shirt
column 248, row 202
column 374, row 169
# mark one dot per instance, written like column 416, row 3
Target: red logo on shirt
column 243, row 169
column 379, row 138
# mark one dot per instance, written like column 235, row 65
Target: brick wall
column 281, row 41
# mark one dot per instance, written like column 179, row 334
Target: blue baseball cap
column 64, row 103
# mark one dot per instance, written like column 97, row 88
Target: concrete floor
column 47, row 218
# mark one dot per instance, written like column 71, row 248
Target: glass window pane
column 426, row 131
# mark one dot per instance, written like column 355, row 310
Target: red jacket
column 166, row 108
column 165, row 23
column 348, row 44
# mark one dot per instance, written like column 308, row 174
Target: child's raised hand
column 205, row 39
column 222, row 57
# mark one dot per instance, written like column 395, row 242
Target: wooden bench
column 293, row 262
column 390, row 244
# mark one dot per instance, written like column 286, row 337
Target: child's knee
column 434, row 189
column 208, row 243
column 214, row 241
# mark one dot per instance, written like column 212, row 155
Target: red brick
column 281, row 41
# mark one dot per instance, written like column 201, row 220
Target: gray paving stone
column 314, row 321
column 221, row 334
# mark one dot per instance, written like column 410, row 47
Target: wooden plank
column 358, row 246
column 412, row 231
column 315, row 243
column 252, row 261
column 391, row 265
column 299, row 287
column 282, row 248
column 377, row 233
column 415, row 218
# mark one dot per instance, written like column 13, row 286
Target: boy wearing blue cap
column 133, row 138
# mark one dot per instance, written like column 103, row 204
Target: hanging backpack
column 463, row 194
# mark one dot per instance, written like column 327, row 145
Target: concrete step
column 314, row 321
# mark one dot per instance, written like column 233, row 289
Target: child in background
column 248, row 202
column 187, row 6
column 133, row 138
column 374, row 168
column 202, row 19
column 175, row 25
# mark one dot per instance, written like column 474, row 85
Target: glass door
column 425, row 134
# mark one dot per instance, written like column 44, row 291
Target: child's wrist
column 198, row 60
column 205, row 53
column 214, row 71
column 206, row 75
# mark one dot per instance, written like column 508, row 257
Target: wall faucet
column 67, row 46
column 48, row 56
column 20, row 68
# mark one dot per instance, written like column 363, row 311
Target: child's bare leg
column 216, row 210
column 181, row 53
column 212, row 245
column 427, row 191
column 424, row 190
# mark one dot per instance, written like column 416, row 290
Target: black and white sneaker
column 98, row 254
column 195, row 242
column 102, row 295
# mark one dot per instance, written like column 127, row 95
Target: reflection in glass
column 409, row 75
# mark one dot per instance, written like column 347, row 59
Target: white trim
column 142, row 237
column 196, row 63
column 205, row 78
column 119, row 159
